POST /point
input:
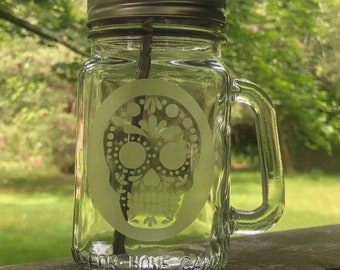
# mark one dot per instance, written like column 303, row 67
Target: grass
column 35, row 218
column 312, row 199
column 36, row 210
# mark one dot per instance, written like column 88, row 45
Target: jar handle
column 271, row 209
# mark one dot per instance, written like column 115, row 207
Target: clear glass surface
column 153, row 155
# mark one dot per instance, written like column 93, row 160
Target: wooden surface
column 305, row 249
column 315, row 248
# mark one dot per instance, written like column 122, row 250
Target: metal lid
column 105, row 10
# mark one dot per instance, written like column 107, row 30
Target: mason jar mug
column 153, row 140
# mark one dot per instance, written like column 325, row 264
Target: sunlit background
column 289, row 47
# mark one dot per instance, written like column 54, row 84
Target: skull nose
column 151, row 179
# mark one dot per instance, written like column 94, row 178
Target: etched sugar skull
column 151, row 147
column 150, row 159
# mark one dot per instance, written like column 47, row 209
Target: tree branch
column 42, row 32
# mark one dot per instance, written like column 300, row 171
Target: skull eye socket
column 132, row 155
column 173, row 155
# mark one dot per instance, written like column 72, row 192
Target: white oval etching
column 150, row 159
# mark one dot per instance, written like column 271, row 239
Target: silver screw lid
column 101, row 11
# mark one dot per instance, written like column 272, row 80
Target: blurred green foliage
column 290, row 48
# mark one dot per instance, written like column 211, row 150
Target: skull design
column 151, row 147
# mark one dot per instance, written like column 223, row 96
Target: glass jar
column 153, row 140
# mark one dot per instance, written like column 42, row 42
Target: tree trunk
column 287, row 159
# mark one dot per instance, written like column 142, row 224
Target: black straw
column 143, row 70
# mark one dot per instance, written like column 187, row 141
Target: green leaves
column 57, row 21
column 288, row 47
column 37, row 108
column 67, row 71
column 270, row 43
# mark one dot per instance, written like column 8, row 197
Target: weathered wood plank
column 61, row 264
column 315, row 248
